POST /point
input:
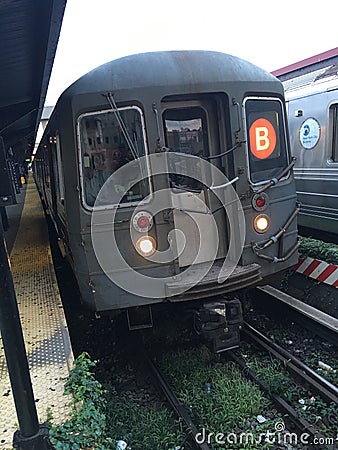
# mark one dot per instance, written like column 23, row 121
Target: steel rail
column 309, row 311
column 308, row 376
column 177, row 406
column 291, row 414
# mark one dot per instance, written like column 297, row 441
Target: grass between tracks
column 224, row 405
column 218, row 396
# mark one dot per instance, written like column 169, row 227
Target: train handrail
column 226, row 152
column 275, row 259
column 256, row 247
column 276, row 179
column 221, row 186
column 282, row 230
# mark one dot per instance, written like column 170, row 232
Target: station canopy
column 29, row 32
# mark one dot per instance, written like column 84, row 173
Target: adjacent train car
column 311, row 92
column 169, row 178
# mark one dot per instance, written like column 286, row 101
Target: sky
column 267, row 33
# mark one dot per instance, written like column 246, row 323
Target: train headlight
column 142, row 221
column 146, row 245
column 261, row 223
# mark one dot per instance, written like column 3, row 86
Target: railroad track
column 301, row 373
column 308, row 378
column 297, row 368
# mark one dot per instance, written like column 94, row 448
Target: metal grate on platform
column 43, row 322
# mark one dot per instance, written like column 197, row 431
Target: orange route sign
column 262, row 138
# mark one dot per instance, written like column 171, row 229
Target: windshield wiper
column 110, row 98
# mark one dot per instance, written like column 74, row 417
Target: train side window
column 61, row 185
column 186, row 132
column 46, row 165
column 266, row 135
column 334, row 115
column 108, row 140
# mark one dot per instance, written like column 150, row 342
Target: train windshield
column 186, row 132
column 266, row 135
column 108, row 141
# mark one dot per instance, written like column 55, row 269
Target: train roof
column 310, row 76
column 169, row 68
column 308, row 65
column 314, row 82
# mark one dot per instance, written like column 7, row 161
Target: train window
column 186, row 132
column 267, row 144
column 61, row 188
column 46, row 166
column 334, row 156
column 108, row 141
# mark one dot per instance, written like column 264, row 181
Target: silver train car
column 312, row 108
column 169, row 178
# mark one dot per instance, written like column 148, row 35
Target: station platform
column 44, row 326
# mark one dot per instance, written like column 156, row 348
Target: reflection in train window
column 186, row 132
column 108, row 141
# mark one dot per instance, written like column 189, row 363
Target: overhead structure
column 307, row 65
column 29, row 32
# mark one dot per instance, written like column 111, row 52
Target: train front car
column 177, row 177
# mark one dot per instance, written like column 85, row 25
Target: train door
column 192, row 128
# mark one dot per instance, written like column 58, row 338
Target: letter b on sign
column 262, row 138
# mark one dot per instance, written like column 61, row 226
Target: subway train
column 169, row 178
column 312, row 107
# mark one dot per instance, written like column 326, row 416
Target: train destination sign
column 262, row 138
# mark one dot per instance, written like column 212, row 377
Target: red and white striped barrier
column 318, row 270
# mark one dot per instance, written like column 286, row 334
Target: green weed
column 97, row 422
column 319, row 249
column 86, row 427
